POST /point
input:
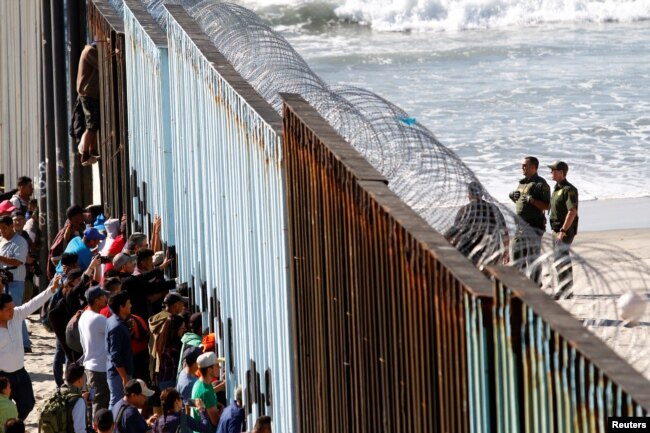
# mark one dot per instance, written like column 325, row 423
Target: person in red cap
column 20, row 200
column 6, row 208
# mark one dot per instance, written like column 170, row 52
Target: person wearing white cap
column 126, row 412
column 203, row 389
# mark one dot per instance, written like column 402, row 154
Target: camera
column 105, row 259
column 6, row 276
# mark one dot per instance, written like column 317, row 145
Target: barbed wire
column 428, row 176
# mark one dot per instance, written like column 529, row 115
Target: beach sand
column 39, row 366
column 615, row 260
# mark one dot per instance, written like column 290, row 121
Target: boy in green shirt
column 203, row 388
column 8, row 408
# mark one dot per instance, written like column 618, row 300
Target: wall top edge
column 575, row 333
column 148, row 23
column 111, row 16
column 223, row 67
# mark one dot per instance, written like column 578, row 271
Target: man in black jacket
column 141, row 286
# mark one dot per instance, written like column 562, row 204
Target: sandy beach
column 39, row 366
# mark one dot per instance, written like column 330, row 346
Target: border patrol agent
column 531, row 199
column 563, row 218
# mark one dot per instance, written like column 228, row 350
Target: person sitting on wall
column 88, row 101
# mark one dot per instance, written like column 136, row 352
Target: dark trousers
column 526, row 248
column 563, row 267
column 99, row 381
column 21, row 391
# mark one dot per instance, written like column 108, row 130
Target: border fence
column 107, row 28
column 335, row 305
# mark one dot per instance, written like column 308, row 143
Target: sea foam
column 441, row 15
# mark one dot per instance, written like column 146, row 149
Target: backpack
column 56, row 251
column 49, row 306
column 56, row 415
column 72, row 338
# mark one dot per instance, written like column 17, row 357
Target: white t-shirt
column 16, row 248
column 92, row 333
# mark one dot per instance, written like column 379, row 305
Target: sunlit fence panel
column 21, row 119
column 150, row 149
column 392, row 324
column 552, row 374
column 230, row 216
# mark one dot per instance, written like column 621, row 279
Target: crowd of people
column 130, row 357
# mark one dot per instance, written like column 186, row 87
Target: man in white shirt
column 13, row 252
column 92, row 333
column 12, row 355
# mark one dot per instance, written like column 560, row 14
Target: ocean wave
column 442, row 15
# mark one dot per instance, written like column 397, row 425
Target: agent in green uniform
column 531, row 199
column 564, row 224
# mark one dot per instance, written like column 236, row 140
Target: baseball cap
column 95, row 292
column 6, row 207
column 158, row 258
column 92, row 234
column 207, row 359
column 137, row 386
column 122, row 259
column 559, row 165
column 172, row 297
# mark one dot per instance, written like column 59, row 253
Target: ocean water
column 498, row 80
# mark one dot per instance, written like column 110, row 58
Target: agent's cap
column 137, row 386
column 559, row 165
column 122, row 259
column 173, row 297
column 92, row 234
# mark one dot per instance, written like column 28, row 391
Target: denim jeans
column 115, row 386
column 58, row 363
column 17, row 290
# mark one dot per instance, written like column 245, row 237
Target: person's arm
column 11, row 261
column 204, row 425
column 79, row 416
column 214, row 413
column 154, row 242
column 22, row 312
column 568, row 222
